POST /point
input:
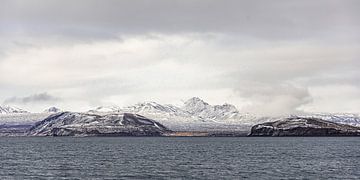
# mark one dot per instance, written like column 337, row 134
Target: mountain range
column 194, row 114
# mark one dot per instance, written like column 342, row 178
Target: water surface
column 181, row 158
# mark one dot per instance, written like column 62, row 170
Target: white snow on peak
column 105, row 109
column 52, row 110
column 342, row 118
column 194, row 110
column 154, row 108
column 195, row 105
column 198, row 107
column 196, row 114
column 11, row 110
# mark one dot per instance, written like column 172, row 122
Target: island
column 301, row 126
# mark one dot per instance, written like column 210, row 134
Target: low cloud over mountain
column 41, row 97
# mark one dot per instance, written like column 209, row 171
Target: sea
column 179, row 157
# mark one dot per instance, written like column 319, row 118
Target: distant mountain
column 52, row 110
column 194, row 109
column 197, row 107
column 105, row 109
column 11, row 110
column 155, row 108
column 194, row 114
column 83, row 124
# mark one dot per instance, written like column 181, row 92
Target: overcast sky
column 268, row 57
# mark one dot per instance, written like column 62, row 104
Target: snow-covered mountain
column 342, row 118
column 194, row 114
column 83, row 124
column 194, row 109
column 105, row 109
column 201, row 109
column 11, row 110
column 303, row 126
column 52, row 110
column 155, row 108
column 16, row 116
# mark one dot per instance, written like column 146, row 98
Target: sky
column 265, row 57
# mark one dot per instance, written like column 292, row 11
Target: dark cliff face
column 297, row 126
column 81, row 124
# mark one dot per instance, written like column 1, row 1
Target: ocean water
column 179, row 158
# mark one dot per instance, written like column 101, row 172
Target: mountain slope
column 73, row 124
column 52, row 110
column 197, row 107
column 105, row 109
column 194, row 108
column 343, row 118
column 195, row 115
column 155, row 108
column 11, row 110
column 300, row 126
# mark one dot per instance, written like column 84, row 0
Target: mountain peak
column 228, row 107
column 52, row 110
column 195, row 104
column 150, row 106
column 105, row 109
column 148, row 103
column 10, row 110
column 196, row 100
column 194, row 108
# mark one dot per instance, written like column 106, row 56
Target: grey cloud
column 275, row 77
column 274, row 98
column 281, row 19
column 35, row 98
column 268, row 53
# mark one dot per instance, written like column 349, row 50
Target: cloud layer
column 286, row 57
column 35, row 98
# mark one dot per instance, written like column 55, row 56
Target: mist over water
column 176, row 157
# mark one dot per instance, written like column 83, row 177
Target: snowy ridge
column 194, row 109
column 195, row 114
column 11, row 110
column 73, row 124
column 105, row 109
column 52, row 110
column 155, row 108
column 205, row 111
column 300, row 126
column 342, row 118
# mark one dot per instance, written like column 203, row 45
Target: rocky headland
column 300, row 126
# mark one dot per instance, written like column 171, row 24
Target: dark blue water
column 181, row 158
